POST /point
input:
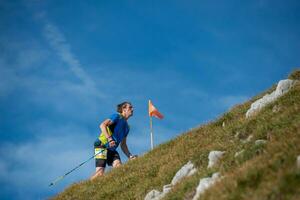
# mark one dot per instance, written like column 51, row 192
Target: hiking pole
column 63, row 176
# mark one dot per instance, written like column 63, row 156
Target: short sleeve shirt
column 119, row 128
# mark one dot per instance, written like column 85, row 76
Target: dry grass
column 261, row 172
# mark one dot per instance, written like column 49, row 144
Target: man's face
column 128, row 110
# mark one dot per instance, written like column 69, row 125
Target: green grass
column 262, row 172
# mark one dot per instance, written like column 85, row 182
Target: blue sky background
column 65, row 65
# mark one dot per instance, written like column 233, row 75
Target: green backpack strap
column 103, row 138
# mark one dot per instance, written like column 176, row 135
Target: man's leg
column 116, row 159
column 100, row 168
column 116, row 163
column 100, row 160
column 99, row 172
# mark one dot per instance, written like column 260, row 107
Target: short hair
column 122, row 105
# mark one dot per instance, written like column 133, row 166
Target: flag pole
column 151, row 132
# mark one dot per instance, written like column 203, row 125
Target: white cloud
column 58, row 42
column 17, row 60
column 29, row 167
column 28, row 69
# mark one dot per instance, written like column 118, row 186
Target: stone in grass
column 260, row 142
column 187, row 170
column 237, row 135
column 157, row 195
column 276, row 109
column 283, row 87
column 205, row 183
column 153, row 195
column 214, row 157
column 167, row 188
column 249, row 139
column 241, row 135
column 238, row 154
column 298, row 162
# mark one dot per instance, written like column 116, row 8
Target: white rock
column 249, row 138
column 283, row 87
column 157, row 195
column 204, row 184
column 162, row 195
column 239, row 153
column 187, row 170
column 153, row 195
column 298, row 162
column 167, row 188
column 193, row 171
column 260, row 142
column 237, row 135
column 214, row 157
column 275, row 109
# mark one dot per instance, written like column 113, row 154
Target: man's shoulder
column 114, row 117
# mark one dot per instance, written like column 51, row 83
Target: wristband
column 109, row 139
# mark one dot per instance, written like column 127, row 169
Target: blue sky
column 65, row 65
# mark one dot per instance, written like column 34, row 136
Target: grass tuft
column 295, row 75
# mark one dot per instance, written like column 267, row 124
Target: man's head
column 125, row 109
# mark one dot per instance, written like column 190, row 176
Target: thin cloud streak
column 58, row 42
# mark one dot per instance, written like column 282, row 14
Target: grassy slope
column 262, row 172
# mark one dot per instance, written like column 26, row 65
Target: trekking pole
column 63, row 176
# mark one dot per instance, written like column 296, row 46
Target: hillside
column 265, row 170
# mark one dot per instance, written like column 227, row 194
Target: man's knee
column 99, row 172
column 117, row 163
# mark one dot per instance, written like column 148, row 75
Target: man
column 114, row 131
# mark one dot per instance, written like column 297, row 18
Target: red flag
column 154, row 112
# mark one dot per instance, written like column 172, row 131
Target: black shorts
column 111, row 157
column 107, row 157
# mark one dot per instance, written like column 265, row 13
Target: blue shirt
column 119, row 128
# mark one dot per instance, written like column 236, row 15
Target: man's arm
column 124, row 148
column 103, row 126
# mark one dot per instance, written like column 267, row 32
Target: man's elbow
column 103, row 125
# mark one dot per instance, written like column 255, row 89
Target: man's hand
column 111, row 142
column 132, row 157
